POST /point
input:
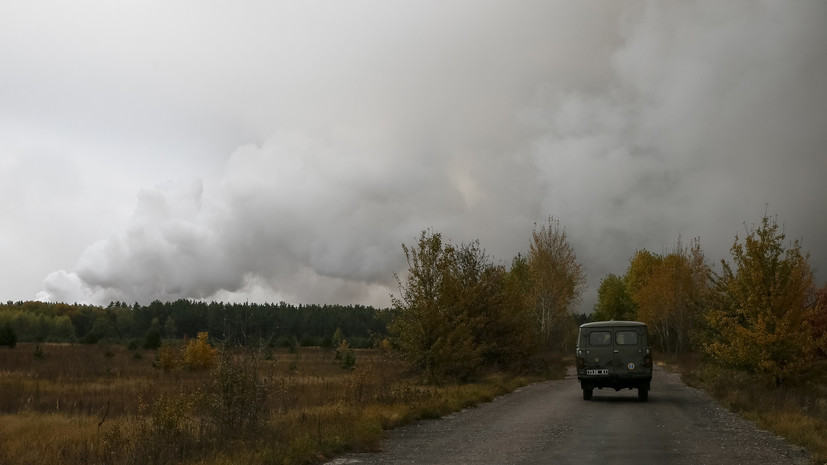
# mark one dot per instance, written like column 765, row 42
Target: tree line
column 146, row 326
column 762, row 313
column 459, row 313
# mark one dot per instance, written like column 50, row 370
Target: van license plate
column 604, row 371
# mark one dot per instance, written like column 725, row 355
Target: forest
column 146, row 326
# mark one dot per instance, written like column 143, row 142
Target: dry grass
column 29, row 438
column 107, row 405
column 83, row 379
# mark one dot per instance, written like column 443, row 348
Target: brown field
column 98, row 404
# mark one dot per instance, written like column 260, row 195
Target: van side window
column 600, row 338
column 626, row 338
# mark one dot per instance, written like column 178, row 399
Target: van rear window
column 626, row 338
column 600, row 338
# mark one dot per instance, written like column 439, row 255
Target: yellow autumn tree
column 669, row 292
column 199, row 354
column 761, row 313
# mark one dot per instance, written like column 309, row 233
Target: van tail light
column 581, row 362
column 647, row 360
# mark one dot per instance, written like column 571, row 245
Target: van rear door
column 600, row 352
column 628, row 353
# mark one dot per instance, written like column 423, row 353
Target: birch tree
column 557, row 283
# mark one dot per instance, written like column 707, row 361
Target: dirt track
column 549, row 423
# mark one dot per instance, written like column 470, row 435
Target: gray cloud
column 294, row 147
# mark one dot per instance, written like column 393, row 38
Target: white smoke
column 632, row 123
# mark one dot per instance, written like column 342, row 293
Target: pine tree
column 7, row 336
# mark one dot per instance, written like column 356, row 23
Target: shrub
column 168, row 433
column 344, row 356
column 169, row 356
column 237, row 396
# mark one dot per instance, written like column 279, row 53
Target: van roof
column 603, row 324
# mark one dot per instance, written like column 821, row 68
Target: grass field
column 98, row 404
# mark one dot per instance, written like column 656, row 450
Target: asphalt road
column 549, row 423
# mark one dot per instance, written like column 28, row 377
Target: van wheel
column 643, row 394
column 587, row 393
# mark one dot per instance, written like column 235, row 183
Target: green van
column 614, row 354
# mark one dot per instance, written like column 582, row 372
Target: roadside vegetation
column 460, row 314
column 753, row 335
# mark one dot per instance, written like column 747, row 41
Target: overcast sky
column 269, row 151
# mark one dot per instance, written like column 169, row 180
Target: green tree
column 62, row 329
column 457, row 312
column 102, row 329
column 558, row 281
column 613, row 300
column 152, row 338
column 170, row 331
column 513, row 338
column 7, row 336
column 496, row 311
column 761, row 312
column 432, row 332
column 124, row 321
